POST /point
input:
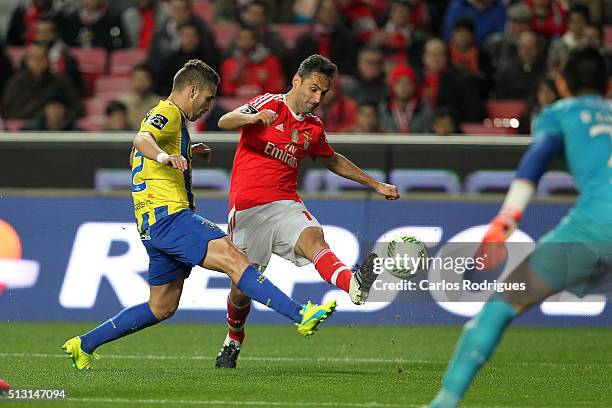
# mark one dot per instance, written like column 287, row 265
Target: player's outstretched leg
column 223, row 256
column 479, row 338
column 311, row 245
column 238, row 308
column 162, row 304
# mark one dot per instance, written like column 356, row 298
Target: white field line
column 347, row 360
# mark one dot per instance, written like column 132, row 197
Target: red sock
column 236, row 318
column 332, row 270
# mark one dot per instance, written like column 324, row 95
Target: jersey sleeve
column 547, row 124
column 162, row 122
column 322, row 148
column 259, row 103
column 547, row 144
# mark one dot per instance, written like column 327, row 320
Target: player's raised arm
column 245, row 116
column 346, row 168
column 145, row 143
column 536, row 160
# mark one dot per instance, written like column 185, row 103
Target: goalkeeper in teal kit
column 577, row 253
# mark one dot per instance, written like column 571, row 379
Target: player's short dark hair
column 115, row 106
column 195, row 72
column 586, row 70
column 581, row 9
column 319, row 64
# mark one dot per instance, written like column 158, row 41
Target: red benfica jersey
column 267, row 160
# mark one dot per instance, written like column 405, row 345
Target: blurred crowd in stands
column 406, row 66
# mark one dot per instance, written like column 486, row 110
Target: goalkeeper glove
column 493, row 248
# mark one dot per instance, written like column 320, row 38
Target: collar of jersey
column 295, row 115
column 183, row 114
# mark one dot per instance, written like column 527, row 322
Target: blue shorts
column 176, row 244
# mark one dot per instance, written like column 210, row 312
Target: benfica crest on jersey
column 307, row 139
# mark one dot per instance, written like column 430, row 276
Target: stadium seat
column 205, row 9
column 224, row 33
column 555, row 181
column 92, row 64
column 334, row 182
column 313, row 180
column 13, row 125
column 232, row 102
column 16, row 55
column 478, row 129
column 608, row 35
column 505, row 108
column 483, row 180
column 96, row 106
column 113, row 85
column 291, row 32
column 122, row 61
column 92, row 123
column 108, row 179
column 407, row 179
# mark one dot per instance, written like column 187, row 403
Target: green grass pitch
column 171, row 365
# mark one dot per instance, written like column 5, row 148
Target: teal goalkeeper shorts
column 576, row 254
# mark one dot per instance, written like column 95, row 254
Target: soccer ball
column 409, row 255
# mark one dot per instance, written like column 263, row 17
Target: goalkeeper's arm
column 534, row 163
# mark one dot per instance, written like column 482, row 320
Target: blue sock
column 260, row 289
column 128, row 321
column 479, row 339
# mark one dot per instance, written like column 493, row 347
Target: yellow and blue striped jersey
column 159, row 190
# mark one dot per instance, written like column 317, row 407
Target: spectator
column 549, row 18
column 167, row 38
column 60, row 60
column 368, row 119
column 336, row 110
column 443, row 123
column 398, row 39
column 328, row 37
column 209, row 121
column 518, row 80
column 191, row 47
column 578, row 17
column 488, row 15
column 55, row 117
column 369, row 83
column 360, row 18
column 445, row 86
column 465, row 55
column 404, row 113
column 6, row 68
column 546, row 94
column 501, row 47
column 116, row 118
column 31, row 86
column 22, row 25
column 227, row 11
column 420, row 16
column 251, row 70
column 141, row 98
column 94, row 26
column 141, row 20
column 256, row 14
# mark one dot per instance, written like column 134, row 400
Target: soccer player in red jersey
column 266, row 213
